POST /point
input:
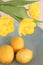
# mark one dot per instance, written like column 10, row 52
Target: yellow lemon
column 34, row 10
column 17, row 43
column 6, row 54
column 24, row 55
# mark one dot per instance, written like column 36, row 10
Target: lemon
column 6, row 54
column 24, row 55
column 17, row 43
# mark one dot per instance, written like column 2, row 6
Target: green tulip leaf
column 17, row 11
column 17, row 3
column 38, row 21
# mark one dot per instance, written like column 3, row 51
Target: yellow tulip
column 26, row 26
column 34, row 10
column 6, row 25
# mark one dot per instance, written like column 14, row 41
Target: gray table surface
column 33, row 42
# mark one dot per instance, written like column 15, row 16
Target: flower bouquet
column 17, row 10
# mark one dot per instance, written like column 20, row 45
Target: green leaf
column 17, row 11
column 17, row 3
column 26, row 0
column 18, row 18
column 38, row 21
column 0, row 0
